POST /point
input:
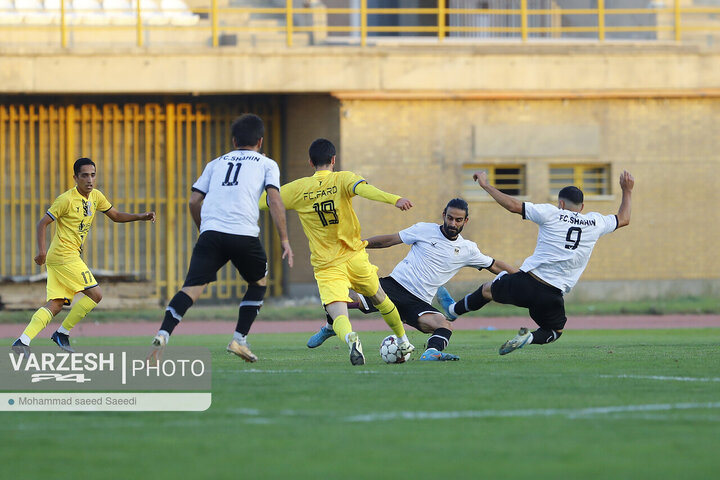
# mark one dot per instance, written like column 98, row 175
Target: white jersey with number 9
column 564, row 244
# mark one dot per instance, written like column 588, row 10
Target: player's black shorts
column 409, row 306
column 213, row 250
column 545, row 303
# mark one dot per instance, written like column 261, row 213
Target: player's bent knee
column 379, row 297
column 94, row 293
column 262, row 282
column 55, row 306
column 430, row 322
column 194, row 291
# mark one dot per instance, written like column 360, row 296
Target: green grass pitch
column 594, row 405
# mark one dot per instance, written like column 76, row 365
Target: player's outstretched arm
column 383, row 241
column 124, row 217
column 373, row 193
column 500, row 266
column 627, row 182
column 42, row 248
column 277, row 210
column 511, row 204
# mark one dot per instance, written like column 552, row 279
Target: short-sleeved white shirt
column 564, row 244
column 433, row 259
column 232, row 185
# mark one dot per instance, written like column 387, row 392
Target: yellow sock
column 342, row 326
column 39, row 320
column 392, row 317
column 81, row 308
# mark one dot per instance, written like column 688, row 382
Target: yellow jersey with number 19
column 73, row 215
column 324, row 205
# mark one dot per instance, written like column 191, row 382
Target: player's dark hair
column 81, row 162
column 458, row 203
column 247, row 130
column 321, row 152
column 572, row 194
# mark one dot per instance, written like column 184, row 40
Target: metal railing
column 148, row 156
column 670, row 21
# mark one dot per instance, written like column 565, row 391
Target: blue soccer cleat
column 435, row 355
column 20, row 348
column 446, row 300
column 63, row 341
column 319, row 338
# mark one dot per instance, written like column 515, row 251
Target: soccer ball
column 390, row 351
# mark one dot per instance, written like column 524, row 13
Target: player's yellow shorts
column 65, row 280
column 356, row 273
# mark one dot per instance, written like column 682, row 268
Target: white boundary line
column 569, row 413
column 660, row 377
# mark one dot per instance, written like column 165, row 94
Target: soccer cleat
column 520, row 340
column 323, row 334
column 446, row 300
column 63, row 341
column 356, row 353
column 159, row 342
column 406, row 348
column 242, row 351
column 435, row 355
column 20, row 348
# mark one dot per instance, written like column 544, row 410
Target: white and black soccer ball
column 390, row 350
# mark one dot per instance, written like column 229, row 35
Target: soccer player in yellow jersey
column 74, row 212
column 338, row 257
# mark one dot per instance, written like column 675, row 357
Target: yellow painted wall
column 417, row 148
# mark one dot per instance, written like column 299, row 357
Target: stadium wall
column 418, row 148
column 412, row 118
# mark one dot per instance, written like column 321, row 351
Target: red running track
column 130, row 328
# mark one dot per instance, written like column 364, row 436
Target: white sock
column 347, row 337
column 63, row 330
column 24, row 339
column 240, row 338
column 165, row 334
column 403, row 339
column 328, row 326
column 451, row 310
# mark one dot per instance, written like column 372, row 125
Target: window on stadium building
column 592, row 179
column 508, row 179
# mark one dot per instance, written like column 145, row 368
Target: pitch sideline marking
column 570, row 413
column 661, row 377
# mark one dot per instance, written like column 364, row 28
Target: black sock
column 471, row 302
column 249, row 307
column 175, row 311
column 328, row 318
column 543, row 336
column 439, row 339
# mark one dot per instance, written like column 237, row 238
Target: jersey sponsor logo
column 573, row 219
column 320, row 193
column 87, row 208
column 242, row 158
